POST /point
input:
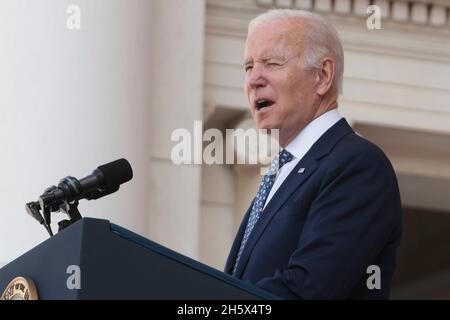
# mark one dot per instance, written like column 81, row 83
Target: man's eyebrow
column 266, row 58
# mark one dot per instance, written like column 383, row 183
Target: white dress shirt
column 302, row 143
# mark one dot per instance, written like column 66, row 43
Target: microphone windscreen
column 115, row 173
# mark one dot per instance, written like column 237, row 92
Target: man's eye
column 273, row 64
column 248, row 68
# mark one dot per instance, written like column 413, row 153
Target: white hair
column 322, row 39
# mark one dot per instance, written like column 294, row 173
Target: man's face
column 279, row 88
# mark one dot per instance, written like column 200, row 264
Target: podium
column 114, row 263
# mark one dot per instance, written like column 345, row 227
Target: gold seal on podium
column 20, row 288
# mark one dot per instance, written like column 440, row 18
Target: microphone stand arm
column 71, row 209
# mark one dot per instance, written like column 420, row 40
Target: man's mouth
column 263, row 103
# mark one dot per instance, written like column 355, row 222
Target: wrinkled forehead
column 281, row 37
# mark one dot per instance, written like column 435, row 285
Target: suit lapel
column 237, row 242
column 309, row 163
column 292, row 182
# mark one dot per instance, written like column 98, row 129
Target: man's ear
column 325, row 76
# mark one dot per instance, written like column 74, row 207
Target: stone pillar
column 177, row 101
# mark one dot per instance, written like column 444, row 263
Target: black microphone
column 104, row 180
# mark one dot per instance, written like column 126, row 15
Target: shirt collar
column 312, row 132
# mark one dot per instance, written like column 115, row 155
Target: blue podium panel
column 114, row 263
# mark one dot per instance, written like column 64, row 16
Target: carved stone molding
column 421, row 12
column 423, row 41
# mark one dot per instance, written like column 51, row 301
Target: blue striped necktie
column 267, row 182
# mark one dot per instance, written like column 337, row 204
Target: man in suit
column 326, row 220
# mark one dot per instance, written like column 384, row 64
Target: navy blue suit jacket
column 324, row 227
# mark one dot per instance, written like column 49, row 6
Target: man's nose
column 256, row 78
